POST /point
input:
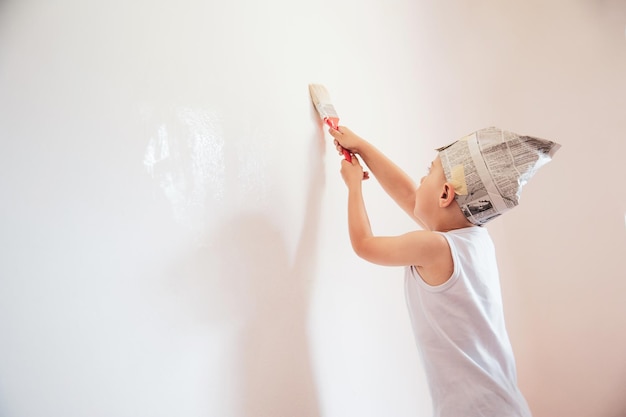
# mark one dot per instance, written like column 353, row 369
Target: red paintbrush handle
column 334, row 123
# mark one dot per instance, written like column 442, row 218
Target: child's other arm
column 392, row 178
column 426, row 250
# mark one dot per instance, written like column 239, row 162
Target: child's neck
column 451, row 220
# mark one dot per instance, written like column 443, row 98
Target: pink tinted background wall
column 173, row 219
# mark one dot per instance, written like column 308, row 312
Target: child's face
column 428, row 193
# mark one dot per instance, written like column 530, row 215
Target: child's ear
column 447, row 195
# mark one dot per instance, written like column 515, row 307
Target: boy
column 451, row 278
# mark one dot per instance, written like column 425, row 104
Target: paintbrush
column 326, row 110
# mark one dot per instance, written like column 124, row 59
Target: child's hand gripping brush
column 326, row 110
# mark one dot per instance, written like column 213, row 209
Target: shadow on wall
column 276, row 367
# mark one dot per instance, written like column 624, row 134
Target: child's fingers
column 343, row 151
column 334, row 132
column 338, row 146
column 355, row 162
column 348, row 165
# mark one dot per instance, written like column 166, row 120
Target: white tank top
column 460, row 332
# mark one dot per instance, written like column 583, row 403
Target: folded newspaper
column 489, row 168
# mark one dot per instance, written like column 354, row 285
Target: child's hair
column 489, row 167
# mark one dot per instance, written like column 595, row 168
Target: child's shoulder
column 474, row 236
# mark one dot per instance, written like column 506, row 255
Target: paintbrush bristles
column 321, row 101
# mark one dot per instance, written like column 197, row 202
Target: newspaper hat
column 489, row 167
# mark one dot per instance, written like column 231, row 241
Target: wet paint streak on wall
column 185, row 157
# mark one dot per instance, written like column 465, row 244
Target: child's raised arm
column 392, row 178
column 427, row 251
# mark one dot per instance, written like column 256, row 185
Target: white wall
column 173, row 236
